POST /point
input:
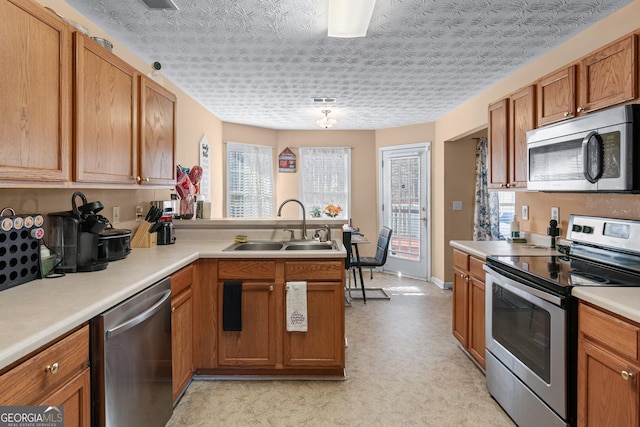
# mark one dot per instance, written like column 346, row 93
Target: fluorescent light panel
column 349, row 18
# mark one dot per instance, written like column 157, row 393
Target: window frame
column 267, row 209
column 346, row 210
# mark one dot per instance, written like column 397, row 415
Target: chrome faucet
column 327, row 230
column 304, row 215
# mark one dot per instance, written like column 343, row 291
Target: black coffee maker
column 75, row 236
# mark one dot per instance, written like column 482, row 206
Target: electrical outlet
column 555, row 213
column 525, row 212
column 116, row 214
column 138, row 213
column 457, row 205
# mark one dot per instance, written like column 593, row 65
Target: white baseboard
column 442, row 285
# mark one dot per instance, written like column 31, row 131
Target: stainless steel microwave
column 597, row 152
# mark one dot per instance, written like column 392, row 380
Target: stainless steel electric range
column 531, row 317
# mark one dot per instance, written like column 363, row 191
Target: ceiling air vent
column 323, row 100
column 160, row 4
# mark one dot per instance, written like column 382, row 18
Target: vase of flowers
column 332, row 210
column 316, row 212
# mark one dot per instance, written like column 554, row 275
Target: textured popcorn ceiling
column 259, row 62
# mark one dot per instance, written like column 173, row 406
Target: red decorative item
column 195, row 174
column 184, row 186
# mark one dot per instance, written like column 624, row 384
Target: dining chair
column 351, row 264
column 384, row 239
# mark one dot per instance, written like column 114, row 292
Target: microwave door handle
column 592, row 157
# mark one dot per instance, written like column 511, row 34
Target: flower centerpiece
column 332, row 210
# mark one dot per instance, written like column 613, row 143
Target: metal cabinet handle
column 581, row 110
column 271, row 288
column 567, row 114
column 627, row 375
column 138, row 179
column 508, row 185
column 52, row 369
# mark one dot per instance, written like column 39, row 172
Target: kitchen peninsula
column 38, row 313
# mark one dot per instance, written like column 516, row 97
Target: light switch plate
column 457, row 205
column 555, row 213
column 525, row 212
column 116, row 214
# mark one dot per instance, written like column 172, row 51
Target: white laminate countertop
column 37, row 312
column 623, row 301
column 484, row 248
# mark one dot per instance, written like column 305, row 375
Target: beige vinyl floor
column 404, row 368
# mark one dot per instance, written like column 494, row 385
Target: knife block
column 142, row 238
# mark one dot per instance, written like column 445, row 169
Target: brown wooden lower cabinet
column 608, row 369
column 182, row 324
column 468, row 322
column 264, row 346
column 58, row 374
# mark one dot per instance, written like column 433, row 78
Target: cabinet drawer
column 182, row 279
column 246, row 270
column 460, row 259
column 619, row 335
column 314, row 270
column 475, row 267
column 30, row 381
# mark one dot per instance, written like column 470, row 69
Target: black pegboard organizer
column 19, row 248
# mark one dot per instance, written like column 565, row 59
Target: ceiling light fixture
column 349, row 18
column 160, row 4
column 326, row 121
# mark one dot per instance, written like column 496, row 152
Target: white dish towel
column 297, row 306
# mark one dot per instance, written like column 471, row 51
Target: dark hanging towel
column 232, row 306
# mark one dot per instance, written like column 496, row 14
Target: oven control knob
column 577, row 228
column 587, row 229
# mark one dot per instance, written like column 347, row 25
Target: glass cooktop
column 561, row 273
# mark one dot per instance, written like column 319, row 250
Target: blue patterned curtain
column 485, row 214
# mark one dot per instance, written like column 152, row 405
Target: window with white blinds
column 249, row 180
column 325, row 181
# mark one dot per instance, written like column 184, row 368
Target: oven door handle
column 508, row 283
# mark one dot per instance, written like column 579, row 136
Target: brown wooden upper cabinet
column 105, row 111
column 608, row 76
column 124, row 122
column 498, row 143
column 157, row 133
column 557, row 96
column 522, row 118
column 35, row 94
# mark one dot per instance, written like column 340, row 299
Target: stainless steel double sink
column 291, row 245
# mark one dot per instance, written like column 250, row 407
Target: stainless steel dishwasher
column 131, row 354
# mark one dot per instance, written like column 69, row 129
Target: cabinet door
column 605, row 397
column 477, row 321
column 181, row 340
column 522, row 118
column 557, row 96
column 35, row 94
column 105, row 115
column 256, row 344
column 157, row 133
column 498, row 144
column 460, row 306
column 75, row 397
column 323, row 343
column 608, row 76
